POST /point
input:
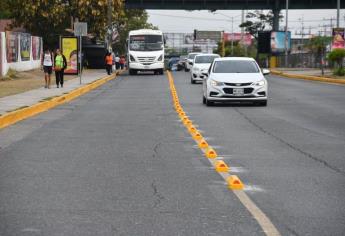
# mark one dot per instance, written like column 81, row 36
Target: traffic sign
column 80, row 29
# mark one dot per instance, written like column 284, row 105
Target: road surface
column 117, row 161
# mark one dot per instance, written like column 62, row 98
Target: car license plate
column 238, row 92
column 146, row 67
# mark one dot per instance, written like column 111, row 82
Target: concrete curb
column 24, row 113
column 309, row 77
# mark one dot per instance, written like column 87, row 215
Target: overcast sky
column 186, row 21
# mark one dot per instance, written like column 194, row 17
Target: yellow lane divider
column 21, row 114
column 234, row 183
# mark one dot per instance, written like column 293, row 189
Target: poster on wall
column 12, row 46
column 25, row 43
column 69, row 47
column 278, row 42
column 36, row 48
column 338, row 40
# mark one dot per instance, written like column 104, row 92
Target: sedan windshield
column 232, row 66
column 204, row 59
column 146, row 42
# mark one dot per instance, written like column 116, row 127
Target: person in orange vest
column 108, row 63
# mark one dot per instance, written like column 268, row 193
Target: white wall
column 20, row 65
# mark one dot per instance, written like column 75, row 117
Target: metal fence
column 301, row 60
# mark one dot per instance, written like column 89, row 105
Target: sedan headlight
column 216, row 83
column 259, row 83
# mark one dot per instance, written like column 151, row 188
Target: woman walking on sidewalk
column 60, row 64
column 47, row 66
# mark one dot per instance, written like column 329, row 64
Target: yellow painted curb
column 234, row 182
column 309, row 77
column 18, row 115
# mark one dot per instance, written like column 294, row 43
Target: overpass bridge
column 231, row 4
column 274, row 5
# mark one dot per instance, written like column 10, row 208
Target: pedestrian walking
column 122, row 62
column 47, row 66
column 108, row 63
column 117, row 62
column 60, row 64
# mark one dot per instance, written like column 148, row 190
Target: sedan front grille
column 245, row 90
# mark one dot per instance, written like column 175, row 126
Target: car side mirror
column 266, row 71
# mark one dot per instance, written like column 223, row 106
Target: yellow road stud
column 203, row 143
column 220, row 166
column 197, row 136
column 211, row 153
column 184, row 118
column 234, row 182
column 192, row 129
column 188, row 123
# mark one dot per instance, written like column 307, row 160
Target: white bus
column 145, row 51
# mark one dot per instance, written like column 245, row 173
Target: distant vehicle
column 145, row 51
column 201, row 64
column 173, row 62
column 235, row 79
column 189, row 60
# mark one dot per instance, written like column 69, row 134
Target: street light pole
column 232, row 36
column 286, row 32
column 338, row 13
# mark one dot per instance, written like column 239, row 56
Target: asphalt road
column 118, row 162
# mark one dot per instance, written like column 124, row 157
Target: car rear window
column 205, row 59
column 232, row 66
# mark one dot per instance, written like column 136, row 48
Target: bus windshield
column 146, row 42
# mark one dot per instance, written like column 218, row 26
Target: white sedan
column 201, row 64
column 235, row 79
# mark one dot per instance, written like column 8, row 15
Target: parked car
column 201, row 64
column 189, row 61
column 235, row 79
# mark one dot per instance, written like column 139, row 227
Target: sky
column 178, row 21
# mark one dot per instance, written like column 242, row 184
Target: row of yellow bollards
column 220, row 166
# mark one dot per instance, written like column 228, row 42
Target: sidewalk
column 304, row 71
column 14, row 102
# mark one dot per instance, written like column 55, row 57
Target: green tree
column 50, row 19
column 337, row 56
column 132, row 19
column 4, row 10
column 258, row 21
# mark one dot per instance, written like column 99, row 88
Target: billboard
column 278, row 42
column 69, row 48
column 247, row 38
column 25, row 43
column 338, row 38
column 208, row 35
column 12, row 46
column 264, row 42
column 36, row 47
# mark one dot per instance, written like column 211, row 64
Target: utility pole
column 286, row 32
column 232, row 36
column 109, row 16
column 338, row 13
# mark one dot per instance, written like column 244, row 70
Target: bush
column 337, row 56
column 339, row 72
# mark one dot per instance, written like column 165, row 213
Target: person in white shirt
column 117, row 62
column 47, row 66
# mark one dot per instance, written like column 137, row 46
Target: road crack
column 309, row 155
column 157, row 195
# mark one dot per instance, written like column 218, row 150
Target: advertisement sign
column 12, row 46
column 36, row 48
column 278, row 42
column 338, row 38
column 69, row 48
column 208, row 35
column 237, row 37
column 25, row 43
